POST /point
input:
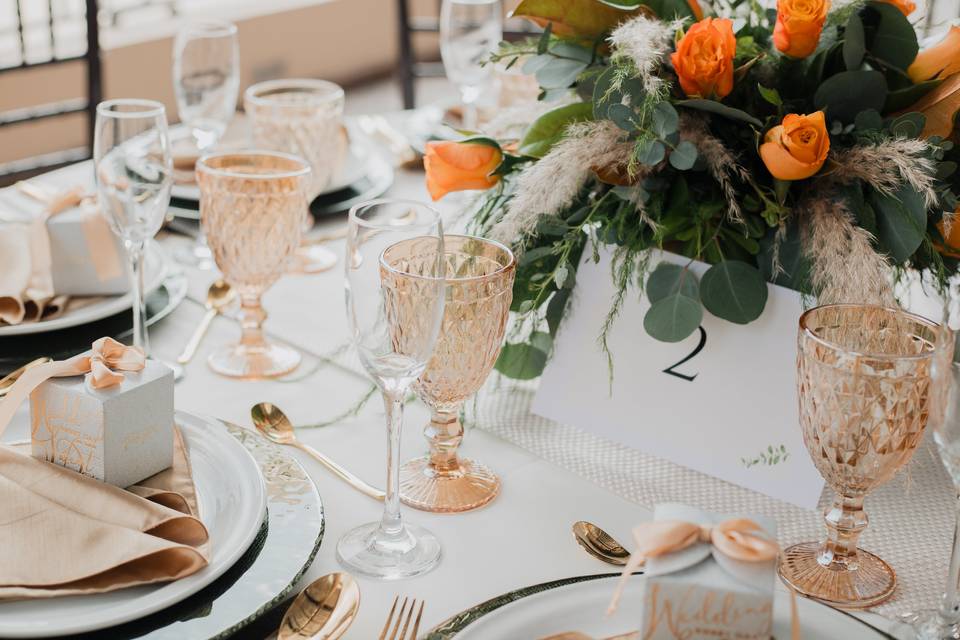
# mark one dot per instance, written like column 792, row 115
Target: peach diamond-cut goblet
column 864, row 386
column 479, row 276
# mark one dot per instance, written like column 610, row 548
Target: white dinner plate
column 579, row 604
column 232, row 502
column 355, row 167
column 81, row 310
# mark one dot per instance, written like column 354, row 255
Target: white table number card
column 723, row 401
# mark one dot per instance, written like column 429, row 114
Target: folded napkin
column 26, row 281
column 67, row 534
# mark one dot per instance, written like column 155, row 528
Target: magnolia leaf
column 525, row 360
column 673, row 318
column 770, row 95
column 670, row 9
column 903, row 98
column 684, row 155
column 589, row 19
column 901, row 222
column 532, row 255
column 854, row 43
column 940, row 106
column 720, row 109
column 734, row 291
column 555, row 309
column 894, row 39
column 669, row 279
column 560, row 73
column 794, row 271
column 847, row 93
column 548, row 129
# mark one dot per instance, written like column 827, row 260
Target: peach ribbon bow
column 102, row 365
column 739, row 539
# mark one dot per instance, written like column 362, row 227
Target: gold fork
column 405, row 616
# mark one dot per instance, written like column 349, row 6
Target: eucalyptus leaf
column 604, row 95
column 622, row 116
column 572, row 50
column 719, row 109
column 869, row 120
column 544, row 41
column 908, row 125
column 559, row 73
column 673, row 318
column 854, row 43
column 523, row 360
column 669, row 279
column 532, row 255
column 547, row 130
column 847, row 93
column 535, row 63
column 684, row 155
column 901, row 221
column 770, row 95
column 665, row 119
column 734, row 291
column 650, row 152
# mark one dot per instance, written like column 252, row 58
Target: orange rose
column 797, row 148
column 906, row 6
column 940, row 60
column 799, row 23
column 704, row 59
column 459, row 166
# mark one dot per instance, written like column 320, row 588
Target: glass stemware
column 134, row 173
column 395, row 297
column 302, row 117
column 864, row 387
column 206, row 81
column 251, row 208
column 479, row 275
column 943, row 623
column 470, row 30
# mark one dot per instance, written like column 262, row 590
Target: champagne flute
column 206, row 80
column 134, row 172
column 943, row 623
column 395, row 297
column 470, row 30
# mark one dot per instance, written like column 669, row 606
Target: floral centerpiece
column 807, row 146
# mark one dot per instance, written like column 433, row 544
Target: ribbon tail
column 33, row 378
column 635, row 562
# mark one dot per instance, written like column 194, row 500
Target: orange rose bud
column 695, row 7
column 704, row 59
column 797, row 148
column 799, row 23
column 940, row 60
column 459, row 166
column 906, row 6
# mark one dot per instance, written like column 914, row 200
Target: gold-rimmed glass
column 864, row 388
column 301, row 116
column 251, row 209
column 479, row 276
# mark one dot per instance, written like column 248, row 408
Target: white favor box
column 700, row 593
column 87, row 259
column 120, row 434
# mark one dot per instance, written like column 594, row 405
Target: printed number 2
column 670, row 370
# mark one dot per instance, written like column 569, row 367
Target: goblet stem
column 391, row 524
column 469, row 95
column 135, row 251
column 845, row 520
column 252, row 317
column 949, row 612
column 445, row 434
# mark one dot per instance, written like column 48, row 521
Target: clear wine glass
column 206, row 80
column 395, row 298
column 134, row 166
column 470, row 30
column 943, row 623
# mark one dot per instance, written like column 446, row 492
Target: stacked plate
column 265, row 521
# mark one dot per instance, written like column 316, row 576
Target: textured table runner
column 911, row 517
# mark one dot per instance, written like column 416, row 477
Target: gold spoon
column 7, row 381
column 599, row 543
column 219, row 296
column 322, row 611
column 275, row 425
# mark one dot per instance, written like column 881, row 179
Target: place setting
column 672, row 306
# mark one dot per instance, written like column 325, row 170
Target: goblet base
column 872, row 582
column 930, row 625
column 366, row 550
column 312, row 259
column 470, row 486
column 253, row 362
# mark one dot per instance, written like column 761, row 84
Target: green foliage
column 673, row 318
column 734, row 291
column 548, row 129
column 848, row 93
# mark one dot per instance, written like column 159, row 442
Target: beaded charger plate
column 578, row 604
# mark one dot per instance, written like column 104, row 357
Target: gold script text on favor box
column 692, row 612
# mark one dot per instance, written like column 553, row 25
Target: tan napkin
column 26, row 286
column 66, row 534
